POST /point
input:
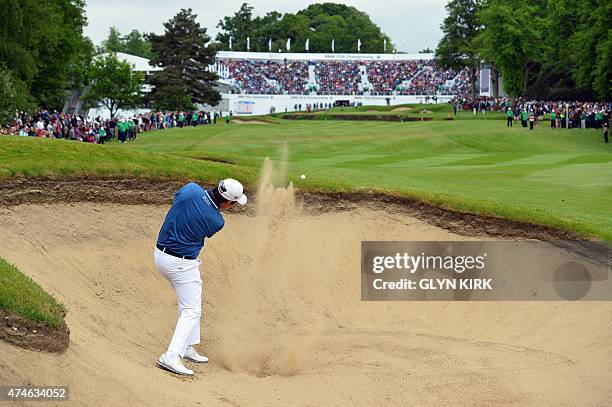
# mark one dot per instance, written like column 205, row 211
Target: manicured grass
column 48, row 158
column 20, row 295
column 560, row 178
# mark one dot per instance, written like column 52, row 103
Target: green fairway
column 561, row 178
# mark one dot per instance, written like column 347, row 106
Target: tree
column 318, row 23
column 591, row 45
column 135, row 43
column 14, row 96
column 42, row 44
column 113, row 43
column 238, row 27
column 114, row 84
column 184, row 53
column 512, row 40
column 458, row 49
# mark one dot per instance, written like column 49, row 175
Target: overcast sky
column 411, row 24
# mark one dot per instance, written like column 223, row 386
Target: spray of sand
column 269, row 330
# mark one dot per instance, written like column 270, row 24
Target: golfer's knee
column 192, row 312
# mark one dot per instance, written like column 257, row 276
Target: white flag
column 307, row 45
column 358, row 45
column 230, row 43
column 270, row 45
column 248, row 44
column 385, row 45
column 333, row 43
column 288, row 44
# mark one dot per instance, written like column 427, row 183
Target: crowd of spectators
column 389, row 76
column 45, row 124
column 429, row 79
column 347, row 77
column 562, row 114
column 268, row 77
column 558, row 114
column 338, row 77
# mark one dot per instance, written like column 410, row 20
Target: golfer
column 195, row 215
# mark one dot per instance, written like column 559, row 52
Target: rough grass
column 20, row 295
column 47, row 158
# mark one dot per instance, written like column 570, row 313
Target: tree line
column 319, row 24
column 543, row 49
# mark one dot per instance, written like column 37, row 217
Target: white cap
column 232, row 190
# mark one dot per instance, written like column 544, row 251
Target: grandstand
column 261, row 82
column 254, row 83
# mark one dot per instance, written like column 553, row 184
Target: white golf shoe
column 174, row 365
column 192, row 355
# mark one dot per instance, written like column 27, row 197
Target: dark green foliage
column 513, row 40
column 558, row 49
column 14, row 95
column 134, row 43
column 42, row 44
column 184, row 54
column 320, row 23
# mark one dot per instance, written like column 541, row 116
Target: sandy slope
column 283, row 321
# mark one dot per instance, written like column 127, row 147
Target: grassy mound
column 45, row 158
column 20, row 295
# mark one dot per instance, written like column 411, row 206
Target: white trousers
column 184, row 275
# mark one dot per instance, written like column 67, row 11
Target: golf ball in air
column 303, row 176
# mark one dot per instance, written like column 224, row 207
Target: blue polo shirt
column 192, row 218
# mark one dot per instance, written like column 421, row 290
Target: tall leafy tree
column 42, row 44
column 114, row 84
column 184, row 54
column 513, row 40
column 319, row 23
column 458, row 48
column 135, row 43
column 591, row 45
column 238, row 27
column 114, row 42
column 14, row 96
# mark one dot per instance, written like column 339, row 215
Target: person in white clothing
column 194, row 216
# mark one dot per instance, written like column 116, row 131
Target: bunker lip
column 135, row 191
column 32, row 335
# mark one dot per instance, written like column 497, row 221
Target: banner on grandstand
column 245, row 107
column 280, row 56
column 243, row 104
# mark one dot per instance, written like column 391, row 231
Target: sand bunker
column 283, row 322
column 401, row 109
column 239, row 121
